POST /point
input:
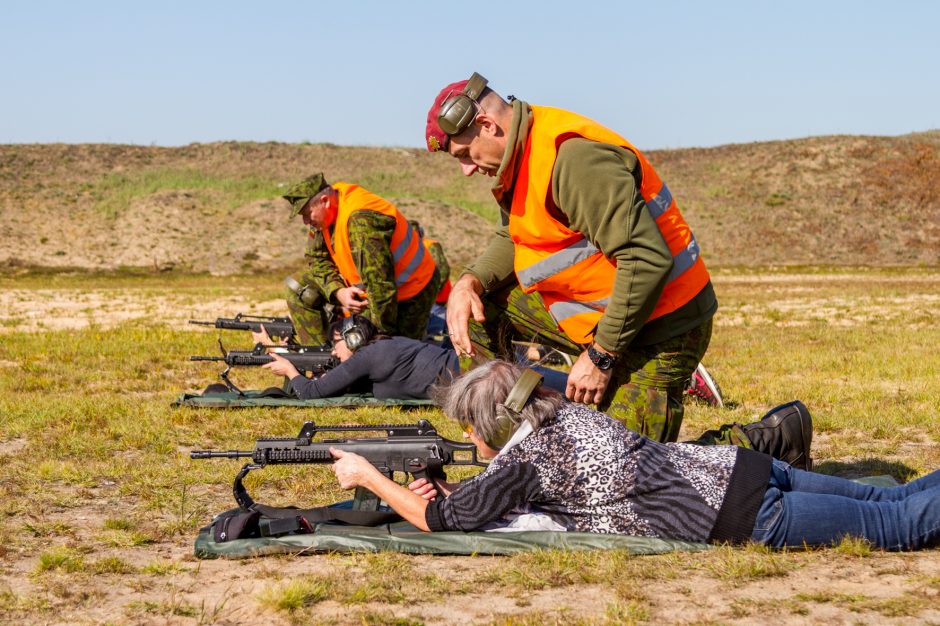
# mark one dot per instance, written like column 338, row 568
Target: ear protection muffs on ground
column 509, row 413
column 458, row 112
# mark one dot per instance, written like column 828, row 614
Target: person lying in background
column 589, row 473
column 394, row 367
column 391, row 367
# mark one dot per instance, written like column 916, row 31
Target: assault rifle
column 280, row 327
column 414, row 449
column 314, row 360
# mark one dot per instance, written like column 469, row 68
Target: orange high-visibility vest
column 414, row 266
column 574, row 278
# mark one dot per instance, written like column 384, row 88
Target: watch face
column 600, row 359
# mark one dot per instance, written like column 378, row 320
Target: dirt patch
column 31, row 310
column 12, row 446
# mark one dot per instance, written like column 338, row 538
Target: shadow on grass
column 866, row 467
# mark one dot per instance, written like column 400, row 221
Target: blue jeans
column 814, row 509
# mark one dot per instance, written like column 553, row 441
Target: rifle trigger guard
column 434, row 470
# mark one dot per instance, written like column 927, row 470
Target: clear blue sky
column 664, row 74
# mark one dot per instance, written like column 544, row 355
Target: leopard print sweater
column 591, row 474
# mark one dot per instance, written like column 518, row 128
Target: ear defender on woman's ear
column 509, row 413
column 352, row 334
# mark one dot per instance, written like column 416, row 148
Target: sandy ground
column 61, row 309
column 838, row 589
column 33, row 310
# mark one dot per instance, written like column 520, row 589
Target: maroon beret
column 436, row 138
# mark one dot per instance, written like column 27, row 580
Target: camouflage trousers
column 648, row 383
column 312, row 323
column 724, row 435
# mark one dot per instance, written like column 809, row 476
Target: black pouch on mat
column 237, row 525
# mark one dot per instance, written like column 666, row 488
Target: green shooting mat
column 230, row 399
column 406, row 538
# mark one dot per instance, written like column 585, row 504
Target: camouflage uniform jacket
column 370, row 238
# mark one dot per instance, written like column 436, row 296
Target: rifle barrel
column 207, row 358
column 219, row 454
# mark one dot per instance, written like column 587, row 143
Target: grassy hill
column 842, row 200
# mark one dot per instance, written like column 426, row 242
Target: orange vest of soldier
column 573, row 277
column 414, row 265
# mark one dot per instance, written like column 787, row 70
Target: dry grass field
column 825, row 258
column 102, row 503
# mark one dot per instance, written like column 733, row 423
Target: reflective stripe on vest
column 565, row 309
column 561, row 260
column 405, row 274
column 659, row 204
column 684, row 260
column 582, row 249
column 402, row 248
column 572, row 275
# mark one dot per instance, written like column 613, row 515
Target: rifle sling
column 326, row 514
column 270, row 392
column 269, row 521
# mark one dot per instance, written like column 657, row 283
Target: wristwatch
column 601, row 360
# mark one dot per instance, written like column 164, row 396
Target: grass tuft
column 295, row 595
column 112, row 565
column 854, row 546
column 115, row 192
column 737, row 565
column 163, row 568
column 60, row 559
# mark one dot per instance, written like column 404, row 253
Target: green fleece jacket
column 596, row 187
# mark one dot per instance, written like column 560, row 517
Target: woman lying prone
column 588, row 473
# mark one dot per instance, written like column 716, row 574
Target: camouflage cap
column 299, row 194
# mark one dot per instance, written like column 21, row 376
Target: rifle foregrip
column 296, row 455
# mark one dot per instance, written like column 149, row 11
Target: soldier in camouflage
column 322, row 289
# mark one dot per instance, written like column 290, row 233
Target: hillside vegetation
column 842, row 200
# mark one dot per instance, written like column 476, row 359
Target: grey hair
column 471, row 399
